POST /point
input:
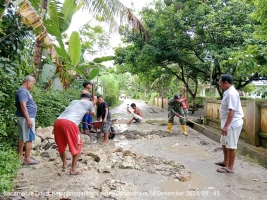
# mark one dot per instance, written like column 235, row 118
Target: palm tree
column 111, row 11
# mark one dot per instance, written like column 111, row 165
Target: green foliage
column 199, row 101
column 249, row 88
column 110, row 89
column 51, row 103
column 69, row 9
column 75, row 48
column 93, row 73
column 260, row 15
column 103, row 59
column 183, row 33
column 9, row 85
column 59, row 18
column 9, row 164
column 246, row 98
column 48, row 72
column 152, row 96
column 94, row 39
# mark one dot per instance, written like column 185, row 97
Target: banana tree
column 57, row 21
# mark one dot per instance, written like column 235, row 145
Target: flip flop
column 78, row 173
column 220, row 164
column 33, row 162
column 224, row 170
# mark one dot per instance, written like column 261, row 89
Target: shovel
column 189, row 120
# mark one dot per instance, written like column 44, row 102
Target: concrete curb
column 257, row 153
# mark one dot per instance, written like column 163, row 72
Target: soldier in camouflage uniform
column 175, row 107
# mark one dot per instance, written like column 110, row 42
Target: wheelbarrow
column 98, row 125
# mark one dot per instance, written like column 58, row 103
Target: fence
column 254, row 130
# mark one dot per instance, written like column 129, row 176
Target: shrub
column 110, row 89
column 51, row 104
column 152, row 96
column 9, row 164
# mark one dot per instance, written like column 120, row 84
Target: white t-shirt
column 231, row 100
column 76, row 110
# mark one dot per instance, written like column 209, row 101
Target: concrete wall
column 254, row 130
column 161, row 102
column 212, row 115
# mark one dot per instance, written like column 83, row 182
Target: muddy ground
column 142, row 162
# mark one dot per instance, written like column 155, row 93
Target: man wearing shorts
column 231, row 114
column 66, row 130
column 103, row 113
column 26, row 113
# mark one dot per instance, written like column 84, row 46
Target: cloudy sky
column 81, row 18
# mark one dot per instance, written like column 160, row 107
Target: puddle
column 191, row 189
column 196, row 151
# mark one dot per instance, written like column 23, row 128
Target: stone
column 128, row 153
column 43, row 144
column 37, row 142
column 128, row 163
column 183, row 176
column 119, row 149
column 86, row 139
column 45, row 133
column 96, row 157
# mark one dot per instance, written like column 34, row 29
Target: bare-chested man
column 136, row 114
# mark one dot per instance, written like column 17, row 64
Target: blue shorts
column 88, row 119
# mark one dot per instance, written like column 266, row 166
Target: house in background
column 260, row 91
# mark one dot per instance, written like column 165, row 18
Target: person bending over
column 136, row 114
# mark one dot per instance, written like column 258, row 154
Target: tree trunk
column 2, row 14
column 37, row 56
column 38, row 49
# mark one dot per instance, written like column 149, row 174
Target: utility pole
column 211, row 69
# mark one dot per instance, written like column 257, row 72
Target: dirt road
column 144, row 162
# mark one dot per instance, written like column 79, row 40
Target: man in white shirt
column 231, row 114
column 67, row 133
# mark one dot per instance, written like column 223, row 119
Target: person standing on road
column 184, row 103
column 66, row 130
column 26, row 113
column 231, row 114
column 104, row 114
column 175, row 108
column 136, row 113
column 87, row 118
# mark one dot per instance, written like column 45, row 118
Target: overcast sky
column 82, row 17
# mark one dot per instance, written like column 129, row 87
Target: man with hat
column 174, row 108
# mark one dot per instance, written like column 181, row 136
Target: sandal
column 77, row 173
column 224, row 170
column 220, row 164
column 33, row 162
